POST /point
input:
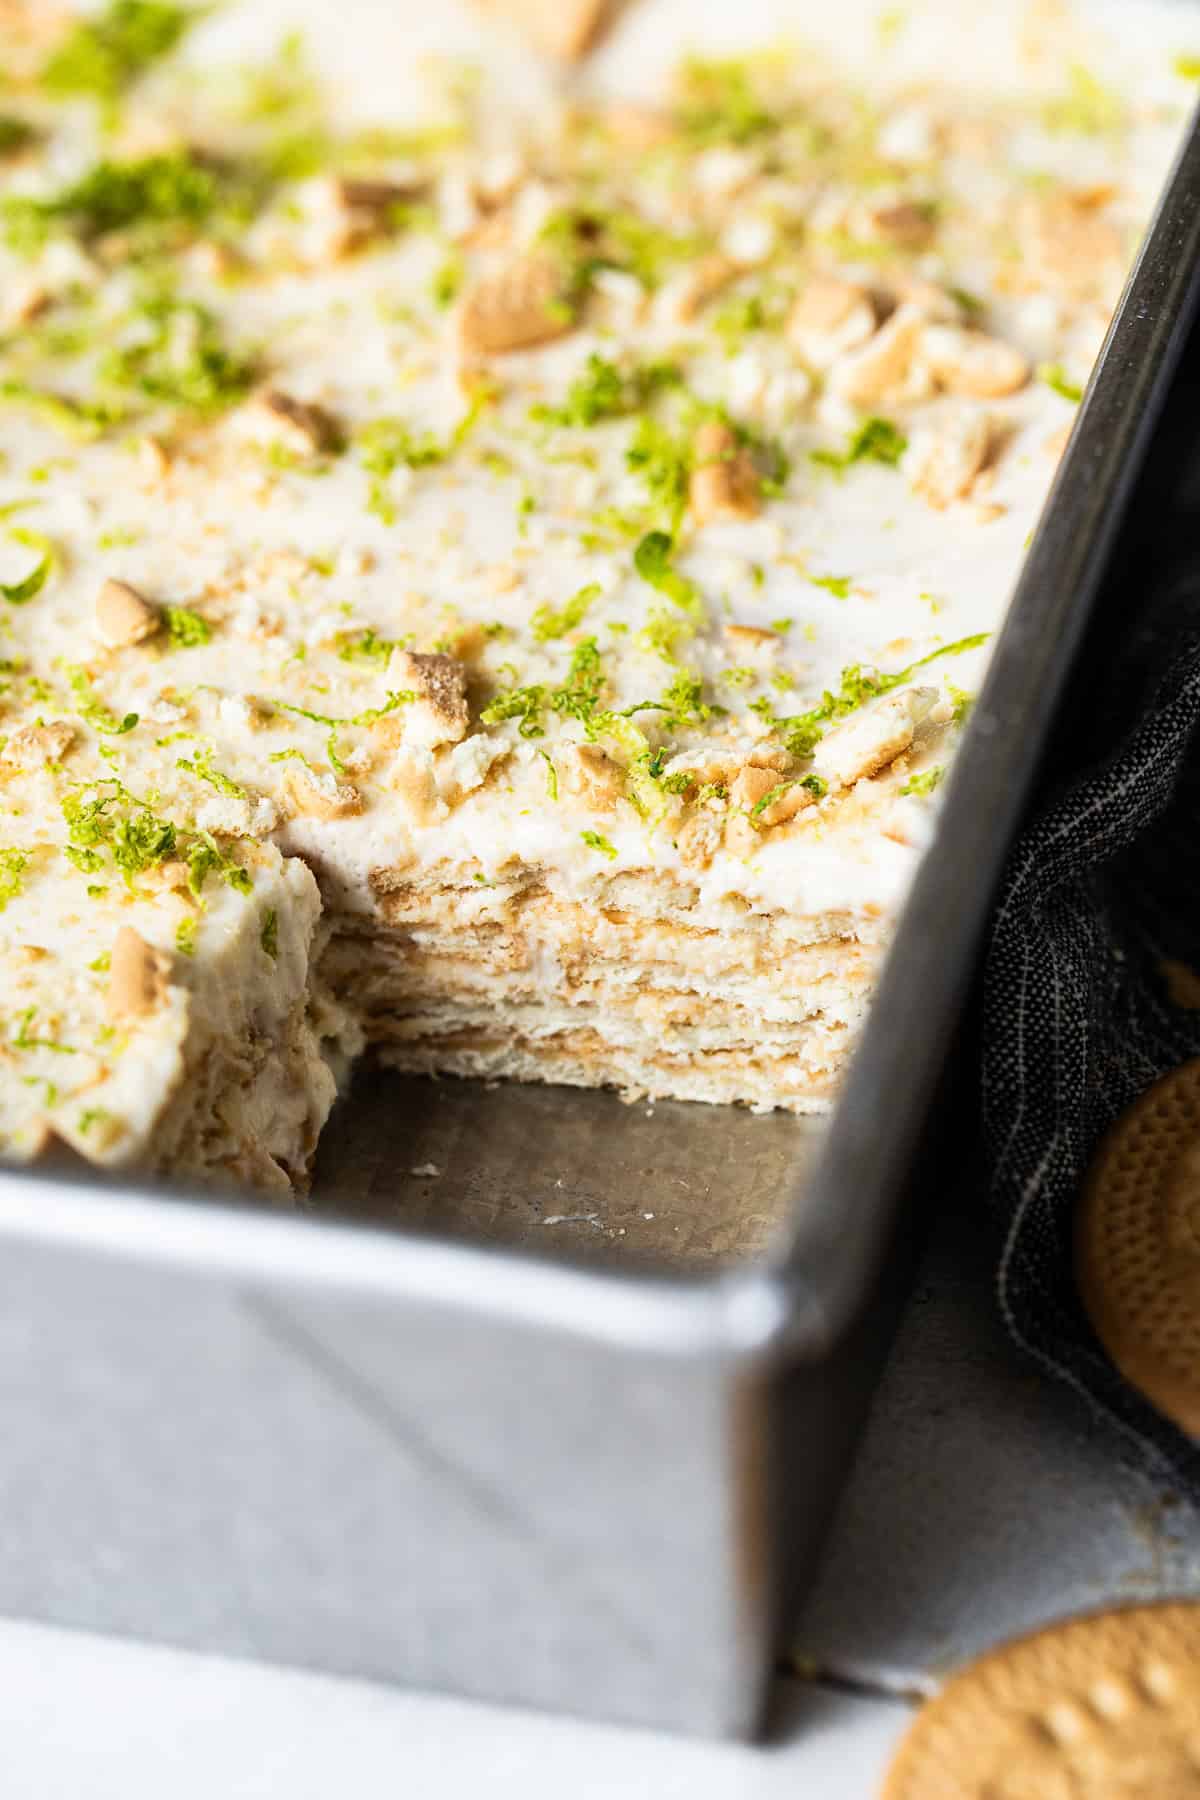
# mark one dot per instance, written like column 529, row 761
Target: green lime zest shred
column 23, row 1038
column 19, row 593
column 105, row 820
column 13, row 864
column 606, row 391
column 876, row 440
column 549, row 623
column 205, row 857
column 268, row 937
column 395, row 697
column 837, row 585
column 812, row 784
column 201, row 766
column 1087, row 106
column 104, row 55
column 923, row 783
column 80, row 420
column 92, row 710
column 653, row 561
column 802, row 732
column 186, row 629
column 171, row 189
column 551, row 774
column 1055, row 376
column 662, row 461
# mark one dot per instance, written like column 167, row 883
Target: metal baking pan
column 562, row 1423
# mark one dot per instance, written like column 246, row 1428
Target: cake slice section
column 535, row 928
column 162, row 1022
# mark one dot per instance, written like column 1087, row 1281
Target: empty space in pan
column 564, row 1171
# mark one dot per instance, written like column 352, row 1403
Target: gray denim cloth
column 1102, row 885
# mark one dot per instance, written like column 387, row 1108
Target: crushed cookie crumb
column 908, row 225
column 317, row 794
column 945, row 457
column 298, row 425
column 36, row 745
column 699, row 839
column 691, row 292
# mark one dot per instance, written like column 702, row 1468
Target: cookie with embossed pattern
column 1138, row 1245
column 1097, row 1708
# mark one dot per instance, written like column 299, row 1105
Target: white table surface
column 982, row 1503
column 83, row 1718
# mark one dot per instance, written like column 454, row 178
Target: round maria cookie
column 1099, row 1708
column 1137, row 1245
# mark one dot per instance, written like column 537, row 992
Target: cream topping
column 385, row 449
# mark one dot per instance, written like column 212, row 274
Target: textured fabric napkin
column 1102, row 888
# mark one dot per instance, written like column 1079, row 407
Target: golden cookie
column 1137, row 1245
column 1100, row 1708
column 1182, row 984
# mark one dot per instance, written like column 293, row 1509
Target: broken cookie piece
column 724, row 483
column 868, row 741
column 297, row 426
column 522, row 305
column 945, row 457
column 888, row 370
column 437, row 713
column 137, row 981
column 36, row 745
column 830, row 318
column 124, row 616
column 319, row 794
column 972, row 363
column 590, row 773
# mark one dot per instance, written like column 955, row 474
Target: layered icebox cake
column 495, row 561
